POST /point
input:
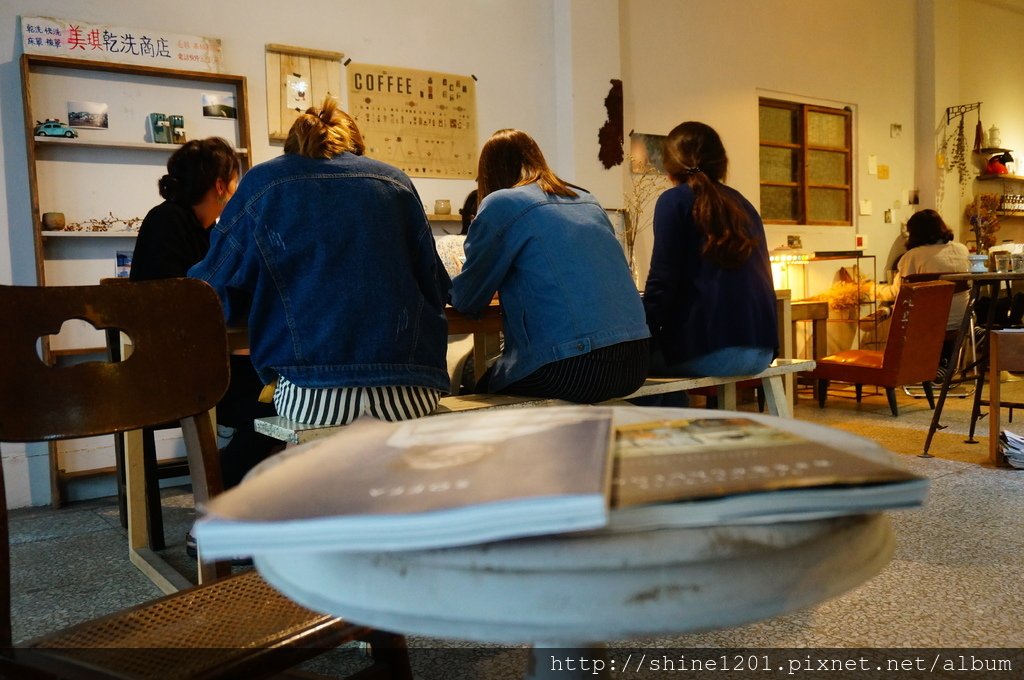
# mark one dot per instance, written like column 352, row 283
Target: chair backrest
column 916, row 331
column 178, row 370
column 958, row 286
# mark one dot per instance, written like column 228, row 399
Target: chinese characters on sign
column 420, row 121
column 79, row 40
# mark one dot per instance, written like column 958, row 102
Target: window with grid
column 806, row 163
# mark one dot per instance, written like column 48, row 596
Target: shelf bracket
column 959, row 110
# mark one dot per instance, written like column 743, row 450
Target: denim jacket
column 332, row 265
column 563, row 281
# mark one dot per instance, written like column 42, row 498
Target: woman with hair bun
column 709, row 297
column 201, row 176
column 327, row 257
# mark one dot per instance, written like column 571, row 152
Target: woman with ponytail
column 709, row 297
column 327, row 257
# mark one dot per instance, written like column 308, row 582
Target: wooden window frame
column 803, row 185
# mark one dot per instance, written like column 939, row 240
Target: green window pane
column 779, row 203
column 826, row 167
column 827, row 205
column 826, row 129
column 779, row 125
column 779, row 165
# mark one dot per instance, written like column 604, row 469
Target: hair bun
column 169, row 186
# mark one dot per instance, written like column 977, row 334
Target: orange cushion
column 864, row 358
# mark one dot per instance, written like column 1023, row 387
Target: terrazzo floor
column 954, row 581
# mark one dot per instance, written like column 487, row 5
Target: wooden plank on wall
column 319, row 69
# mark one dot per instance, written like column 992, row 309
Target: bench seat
column 778, row 404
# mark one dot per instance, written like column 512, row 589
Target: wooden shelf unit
column 113, row 170
column 103, row 172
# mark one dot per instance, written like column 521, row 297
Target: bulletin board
column 298, row 78
column 423, row 122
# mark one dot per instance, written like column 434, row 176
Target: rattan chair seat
column 189, row 635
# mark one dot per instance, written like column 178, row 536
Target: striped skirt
column 342, row 405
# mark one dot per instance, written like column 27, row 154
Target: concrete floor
column 954, row 581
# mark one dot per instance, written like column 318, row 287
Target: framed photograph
column 646, row 150
column 219, row 106
column 88, row 115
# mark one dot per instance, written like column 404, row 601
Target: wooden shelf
column 1009, row 178
column 92, row 144
column 444, row 218
column 90, row 234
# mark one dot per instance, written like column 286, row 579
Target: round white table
column 573, row 591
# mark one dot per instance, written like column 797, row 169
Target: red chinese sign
column 80, row 40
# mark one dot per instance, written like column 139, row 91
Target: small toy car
column 53, row 128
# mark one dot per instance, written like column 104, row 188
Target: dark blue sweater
column 694, row 306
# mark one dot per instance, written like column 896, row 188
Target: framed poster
column 423, row 122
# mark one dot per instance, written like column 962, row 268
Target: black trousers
column 605, row 373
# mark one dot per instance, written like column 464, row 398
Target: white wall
column 545, row 66
column 709, row 59
column 523, row 81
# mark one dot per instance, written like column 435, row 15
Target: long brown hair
column 694, row 155
column 324, row 132
column 511, row 158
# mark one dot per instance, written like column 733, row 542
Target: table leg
column 982, row 359
column 961, row 333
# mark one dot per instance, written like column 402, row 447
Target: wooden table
column 815, row 311
column 994, row 281
column 576, row 591
column 486, row 330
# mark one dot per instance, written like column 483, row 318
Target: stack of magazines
column 470, row 478
column 1011, row 445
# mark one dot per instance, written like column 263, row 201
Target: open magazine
column 730, row 470
column 489, row 475
column 432, row 482
column 1011, row 445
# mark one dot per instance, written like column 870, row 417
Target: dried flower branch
column 984, row 219
column 109, row 223
column 645, row 186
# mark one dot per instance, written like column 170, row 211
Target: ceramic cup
column 53, row 221
column 442, row 206
column 1002, row 261
column 979, row 263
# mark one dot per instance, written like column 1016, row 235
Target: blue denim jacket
column 332, row 265
column 564, row 284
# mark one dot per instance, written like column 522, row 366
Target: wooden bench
column 771, row 381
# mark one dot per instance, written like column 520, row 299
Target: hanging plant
column 958, row 156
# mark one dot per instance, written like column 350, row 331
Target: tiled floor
column 954, row 580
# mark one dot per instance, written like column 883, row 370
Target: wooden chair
column 237, row 626
column 912, row 347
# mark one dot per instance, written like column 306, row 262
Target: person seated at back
column 451, row 247
column 201, row 176
column 572, row 317
column 328, row 257
column 709, row 295
column 931, row 249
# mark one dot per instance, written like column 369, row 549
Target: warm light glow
column 782, row 276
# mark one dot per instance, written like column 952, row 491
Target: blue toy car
column 53, row 128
